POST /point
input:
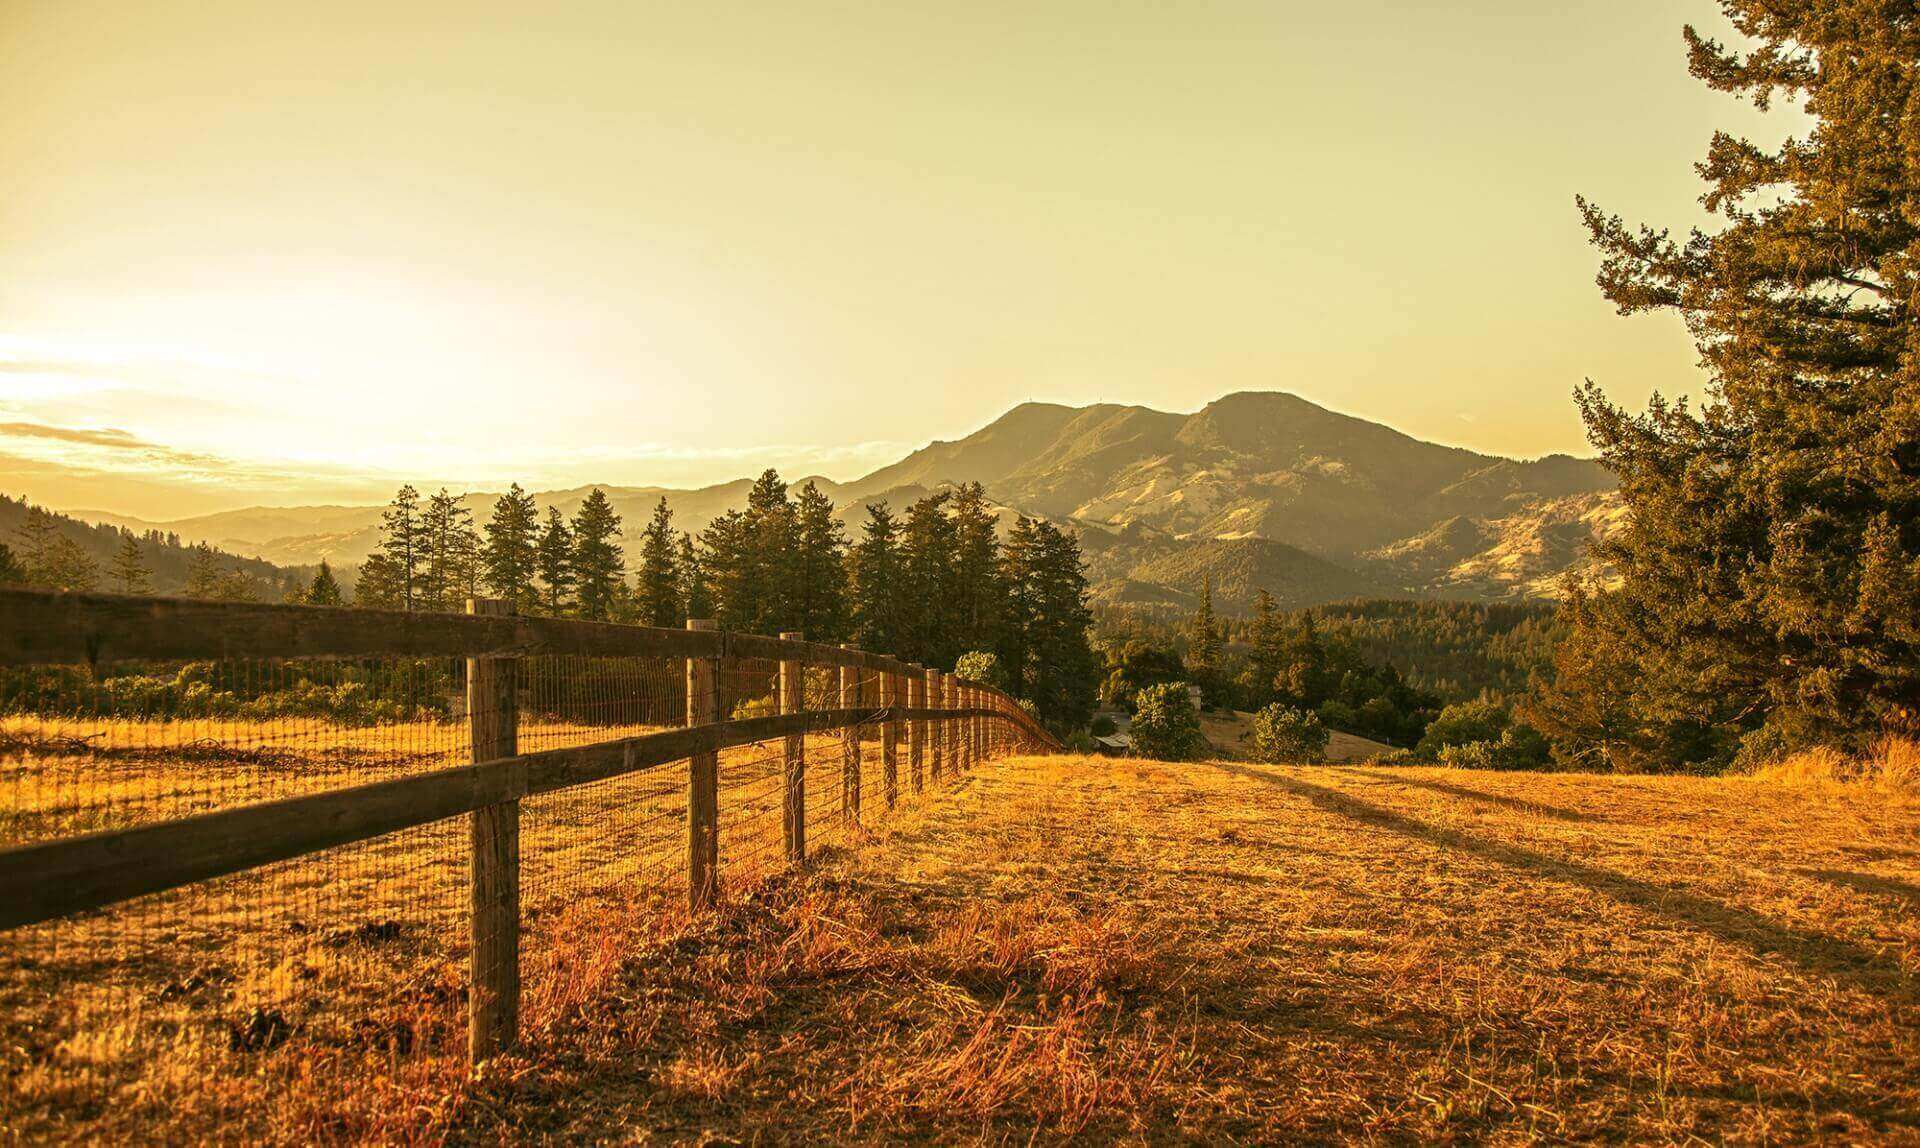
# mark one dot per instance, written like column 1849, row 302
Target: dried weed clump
column 1891, row 766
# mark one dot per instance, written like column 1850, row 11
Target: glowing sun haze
column 281, row 253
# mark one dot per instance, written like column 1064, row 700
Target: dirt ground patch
column 1115, row 949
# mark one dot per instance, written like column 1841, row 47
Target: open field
column 226, row 1004
column 1224, row 952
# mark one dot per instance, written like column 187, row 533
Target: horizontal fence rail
column 41, row 628
column 59, row 878
column 500, row 694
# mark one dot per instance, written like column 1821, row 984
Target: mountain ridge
column 1353, row 496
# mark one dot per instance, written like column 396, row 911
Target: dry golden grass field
column 1098, row 949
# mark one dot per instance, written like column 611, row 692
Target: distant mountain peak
column 1259, row 483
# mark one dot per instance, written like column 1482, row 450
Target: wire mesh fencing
column 408, row 948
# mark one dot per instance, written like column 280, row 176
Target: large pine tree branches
column 1773, row 531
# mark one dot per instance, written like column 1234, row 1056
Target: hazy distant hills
column 167, row 565
column 1256, row 489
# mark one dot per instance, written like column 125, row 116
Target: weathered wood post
column 703, row 783
column 983, row 730
column 977, row 725
column 793, row 700
column 493, row 996
column 936, row 699
column 850, row 743
column 961, row 760
column 890, row 737
column 917, row 726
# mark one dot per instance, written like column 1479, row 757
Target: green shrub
column 1468, row 755
column 1102, row 726
column 1518, row 747
column 1464, row 723
column 1284, row 734
column 1165, row 725
column 983, row 667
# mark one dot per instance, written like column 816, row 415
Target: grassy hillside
column 1252, row 954
column 1387, row 513
column 1225, row 953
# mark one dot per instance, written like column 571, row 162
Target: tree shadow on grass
column 1868, row 883
column 1819, row 955
column 1518, row 804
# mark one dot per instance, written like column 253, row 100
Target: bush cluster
column 1166, row 726
column 1286, row 734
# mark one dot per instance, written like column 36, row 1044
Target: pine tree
column 1205, row 647
column 1268, row 638
column 205, row 578
column 403, row 543
column 695, row 600
column 450, row 573
column 381, row 585
column 599, row 569
column 877, row 587
column 771, row 576
column 236, row 585
column 1047, row 600
column 39, row 537
column 323, row 590
column 129, row 569
column 555, row 558
column 12, row 573
column 509, row 558
column 978, row 596
column 1588, row 707
column 657, row 589
column 729, row 572
column 927, row 560
column 819, row 606
column 1770, row 563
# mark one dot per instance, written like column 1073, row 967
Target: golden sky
column 260, row 252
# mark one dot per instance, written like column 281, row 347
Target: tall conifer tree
column 451, row 570
column 876, row 585
column 129, row 569
column 695, row 599
column 402, row 541
column 599, row 568
column 657, row 592
column 510, row 555
column 555, row 556
column 1770, row 564
column 929, row 583
column 324, row 590
column 819, row 606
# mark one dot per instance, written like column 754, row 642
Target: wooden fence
column 45, row 880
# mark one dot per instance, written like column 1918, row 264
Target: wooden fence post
column 850, row 744
column 703, row 783
column 956, row 697
column 793, row 699
column 493, row 995
column 890, row 738
column 936, row 699
column 917, row 726
column 974, row 724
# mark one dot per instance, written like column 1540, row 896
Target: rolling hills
column 1256, row 488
